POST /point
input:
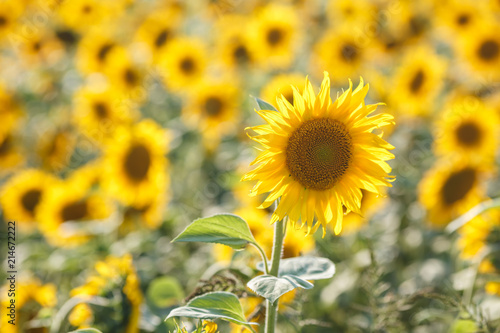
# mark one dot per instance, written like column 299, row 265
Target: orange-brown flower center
column 75, row 211
column 137, row 162
column 489, row 50
column 468, row 134
column 30, row 200
column 458, row 185
column 319, row 153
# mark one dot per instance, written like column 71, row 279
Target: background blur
column 121, row 121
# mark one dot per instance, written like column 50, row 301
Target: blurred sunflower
column 461, row 16
column 480, row 232
column 95, row 50
column 126, row 76
column 55, row 148
column 468, row 128
column 80, row 14
column 355, row 13
column 319, row 154
column 21, row 194
column 66, row 207
column 339, row 52
column 10, row 11
column 149, row 215
column 234, row 43
column 482, row 50
column 492, row 267
column 41, row 48
column 98, row 112
column 10, row 110
column 213, row 108
column 183, row 62
column 275, row 30
column 417, row 82
column 157, row 30
column 31, row 297
column 135, row 163
column 81, row 316
column 371, row 203
column 451, row 188
column 114, row 274
column 281, row 84
column 10, row 152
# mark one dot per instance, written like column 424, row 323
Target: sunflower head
column 319, row 154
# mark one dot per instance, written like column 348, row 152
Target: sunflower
column 234, row 43
column 10, row 11
column 112, row 275
column 275, row 30
column 183, row 62
column 21, row 195
column 468, row 128
column 157, row 30
column 10, row 110
column 55, row 148
column 371, row 203
column 279, row 85
column 356, row 13
column 450, row 188
column 135, row 163
column 98, row 112
column 41, row 48
column 95, row 50
column 461, row 16
column 32, row 297
column 319, row 154
column 417, row 82
column 149, row 215
column 478, row 233
column 127, row 76
column 10, row 153
column 213, row 108
column 482, row 50
column 340, row 52
column 66, row 207
column 80, row 14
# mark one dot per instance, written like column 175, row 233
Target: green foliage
column 272, row 287
column 227, row 229
column 215, row 305
column 164, row 292
column 264, row 105
column 464, row 326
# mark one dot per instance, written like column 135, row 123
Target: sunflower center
column 87, row 9
column 463, row 19
column 103, row 51
column 489, row 49
column 458, row 185
column 162, row 38
column 468, row 134
column 417, row 81
column 137, row 162
column 130, row 77
column 101, row 110
column 30, row 200
column 318, row 153
column 187, row 65
column 274, row 36
column 349, row 52
column 37, row 46
column 5, row 146
column 241, row 54
column 213, row 106
column 3, row 21
column 66, row 36
column 74, row 211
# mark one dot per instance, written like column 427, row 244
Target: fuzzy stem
column 272, row 309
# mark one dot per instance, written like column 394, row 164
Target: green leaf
column 164, row 292
column 464, row 326
column 86, row 330
column 307, row 268
column 227, row 229
column 272, row 287
column 264, row 105
column 215, row 305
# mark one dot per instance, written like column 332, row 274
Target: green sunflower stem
column 272, row 309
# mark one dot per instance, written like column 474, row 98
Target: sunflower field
column 249, row 166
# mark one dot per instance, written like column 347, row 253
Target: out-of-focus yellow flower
column 468, row 128
column 115, row 273
column 213, row 108
column 234, row 43
column 157, row 30
column 10, row 153
column 318, row 154
column 461, row 16
column 80, row 14
column 10, row 11
column 340, row 53
column 41, row 48
column 21, row 195
column 28, row 292
column 281, row 85
column 127, row 76
column 96, row 49
column 476, row 234
column 183, row 62
column 98, row 112
column 371, row 203
column 275, row 31
column 65, row 208
column 149, row 215
column 135, row 164
column 355, row 13
column 481, row 48
column 81, row 316
column 417, row 82
column 450, row 188
column 55, row 149
column 10, row 111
